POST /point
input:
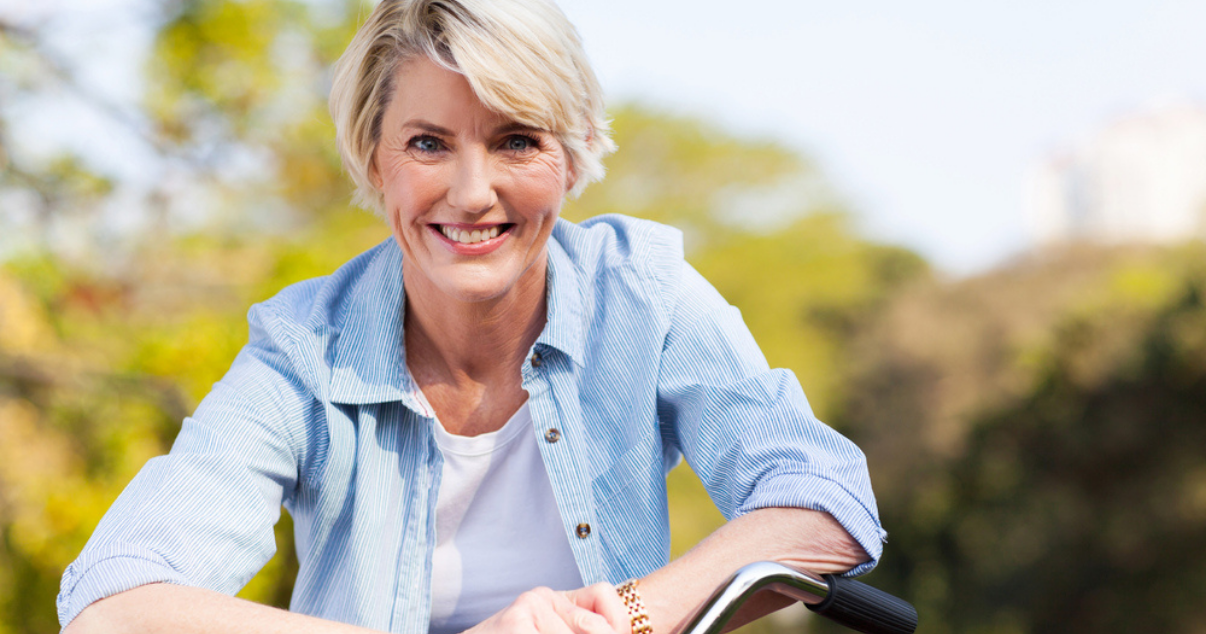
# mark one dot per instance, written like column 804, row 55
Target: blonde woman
column 471, row 423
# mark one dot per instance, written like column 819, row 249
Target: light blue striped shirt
column 641, row 361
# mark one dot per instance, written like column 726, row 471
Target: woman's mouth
column 470, row 235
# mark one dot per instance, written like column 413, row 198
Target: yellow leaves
column 220, row 52
column 310, row 174
column 24, row 449
column 193, row 352
column 239, row 29
column 68, row 175
column 1144, row 284
column 38, row 469
column 24, row 328
column 692, row 514
column 49, row 505
column 74, row 427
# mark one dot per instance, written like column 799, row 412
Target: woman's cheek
column 543, row 179
column 412, row 191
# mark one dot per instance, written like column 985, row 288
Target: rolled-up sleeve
column 748, row 431
column 203, row 514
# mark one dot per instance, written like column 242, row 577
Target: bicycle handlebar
column 847, row 602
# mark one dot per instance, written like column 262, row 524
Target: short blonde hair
column 522, row 58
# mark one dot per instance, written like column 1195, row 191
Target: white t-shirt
column 498, row 531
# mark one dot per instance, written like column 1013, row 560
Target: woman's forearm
column 183, row 610
column 802, row 539
column 807, row 540
column 175, row 609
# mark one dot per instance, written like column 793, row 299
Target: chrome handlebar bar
column 850, row 603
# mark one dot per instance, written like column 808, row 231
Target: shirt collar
column 369, row 355
column 370, row 350
column 565, row 327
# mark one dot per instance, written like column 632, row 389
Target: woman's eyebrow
column 514, row 126
column 427, row 126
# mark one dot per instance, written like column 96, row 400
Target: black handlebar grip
column 860, row 607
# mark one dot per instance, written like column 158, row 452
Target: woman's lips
column 472, row 239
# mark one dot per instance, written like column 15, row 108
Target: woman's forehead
column 429, row 95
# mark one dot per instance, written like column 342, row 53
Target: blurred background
column 974, row 231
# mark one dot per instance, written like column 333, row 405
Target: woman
column 471, row 423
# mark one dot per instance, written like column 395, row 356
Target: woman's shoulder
column 323, row 303
column 615, row 240
column 619, row 260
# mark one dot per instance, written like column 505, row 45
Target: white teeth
column 468, row 237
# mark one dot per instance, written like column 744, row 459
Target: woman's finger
column 533, row 612
column 579, row 619
column 583, row 621
column 543, row 611
column 601, row 599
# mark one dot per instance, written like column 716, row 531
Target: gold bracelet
column 636, row 607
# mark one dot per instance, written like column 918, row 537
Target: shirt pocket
column 639, row 463
column 631, row 506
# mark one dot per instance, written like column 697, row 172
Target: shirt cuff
column 85, row 583
column 817, row 493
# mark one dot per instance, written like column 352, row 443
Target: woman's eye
column 519, row 143
column 426, row 144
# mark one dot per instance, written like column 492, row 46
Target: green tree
column 1047, row 476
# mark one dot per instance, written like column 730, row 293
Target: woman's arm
column 175, row 609
column 203, row 515
column 798, row 492
column 808, row 540
column 747, row 430
column 800, row 538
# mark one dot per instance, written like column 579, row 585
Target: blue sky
column 926, row 114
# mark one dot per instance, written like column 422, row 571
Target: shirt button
column 552, row 436
column 536, row 360
column 583, row 531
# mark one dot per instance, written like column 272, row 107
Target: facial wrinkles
column 474, row 166
column 478, row 134
column 522, row 188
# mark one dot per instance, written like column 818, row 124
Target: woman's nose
column 472, row 186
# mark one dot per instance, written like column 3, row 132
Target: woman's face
column 471, row 196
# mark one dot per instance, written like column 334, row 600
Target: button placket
column 561, row 421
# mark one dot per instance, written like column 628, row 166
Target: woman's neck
column 450, row 341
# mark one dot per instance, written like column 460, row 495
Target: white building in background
column 1142, row 178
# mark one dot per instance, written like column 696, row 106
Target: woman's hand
column 601, row 598
column 544, row 611
column 802, row 539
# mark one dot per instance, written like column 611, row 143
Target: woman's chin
column 476, row 295
column 476, row 290
column 477, row 282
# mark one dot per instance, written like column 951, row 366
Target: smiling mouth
column 473, row 236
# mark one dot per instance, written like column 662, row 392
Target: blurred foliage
column 1035, row 437
column 1034, row 434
